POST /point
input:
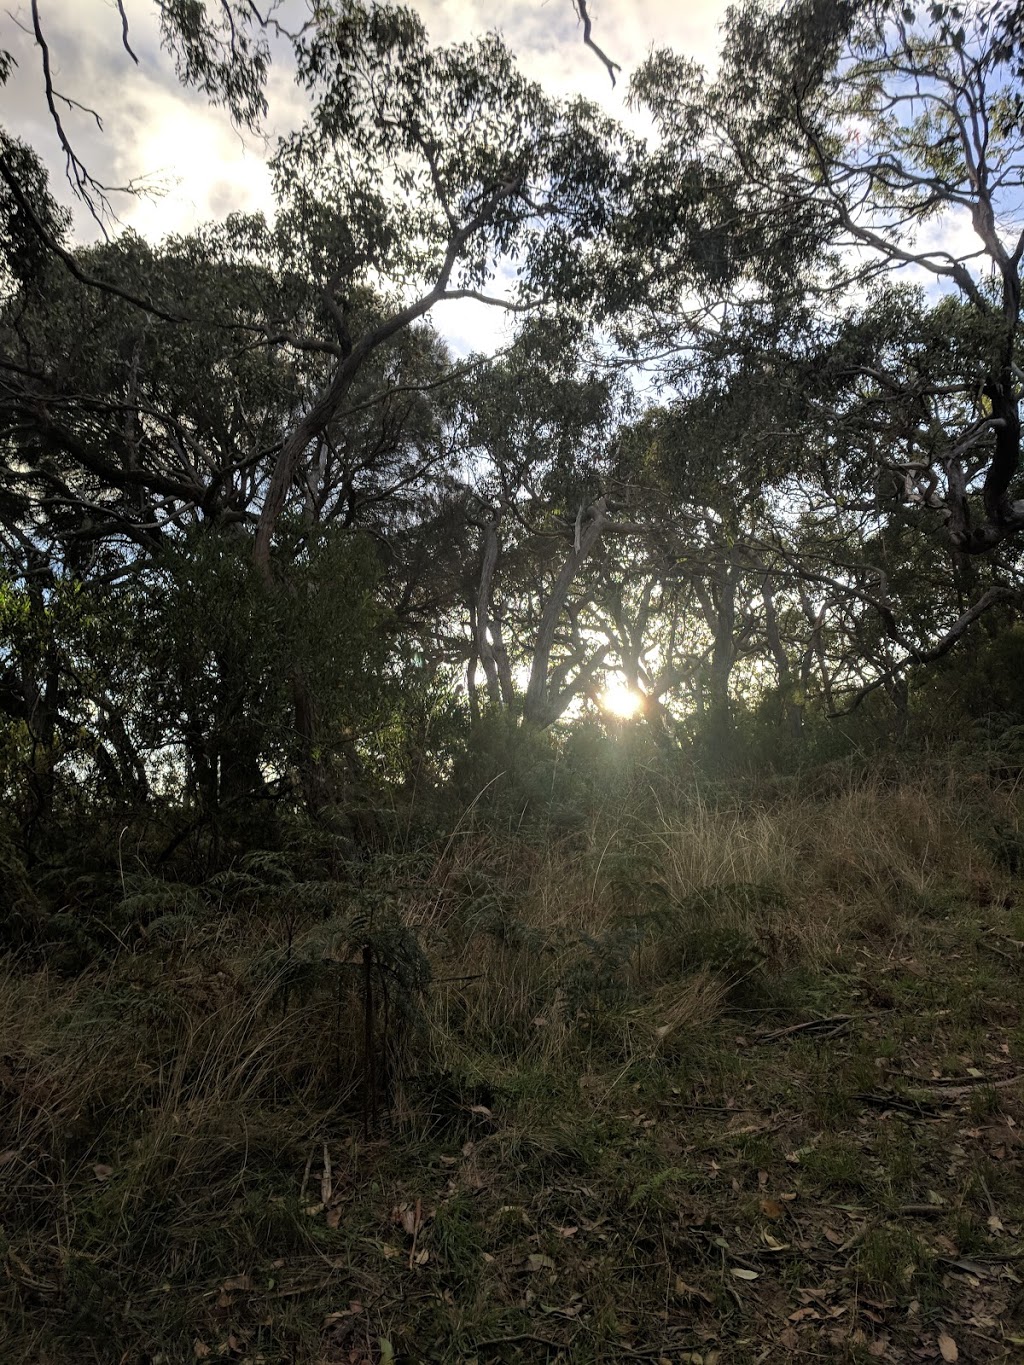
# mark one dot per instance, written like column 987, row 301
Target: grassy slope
column 714, row 1082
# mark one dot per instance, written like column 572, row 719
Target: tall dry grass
column 180, row 1087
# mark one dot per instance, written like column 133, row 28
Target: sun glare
column 621, row 701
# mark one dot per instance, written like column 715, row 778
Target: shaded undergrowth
column 721, row 1080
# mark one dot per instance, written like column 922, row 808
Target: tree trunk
column 537, row 710
column 315, row 774
column 719, row 606
column 793, row 711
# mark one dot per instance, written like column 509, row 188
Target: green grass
column 593, row 1140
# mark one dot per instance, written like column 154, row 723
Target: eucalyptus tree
column 891, row 132
column 134, row 454
column 423, row 170
column 541, row 426
column 864, row 164
column 221, row 48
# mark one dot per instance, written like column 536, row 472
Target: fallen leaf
column 326, row 1178
column 8, row 1156
column 995, row 1223
column 689, row 1291
column 243, row 1282
column 570, row 1310
column 742, row 1274
column 567, row 1232
column 538, row 1261
column 200, row 1350
column 103, row 1172
column 948, row 1347
column 481, row 1109
column 771, row 1208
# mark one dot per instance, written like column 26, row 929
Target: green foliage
column 228, row 650
column 24, row 196
column 893, row 1260
column 21, row 910
column 980, row 692
column 221, row 51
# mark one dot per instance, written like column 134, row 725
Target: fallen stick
column 835, row 1022
column 519, row 1336
column 916, row 1095
column 956, row 1092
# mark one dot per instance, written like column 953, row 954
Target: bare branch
column 581, row 10
column 124, row 32
column 67, row 258
column 985, row 603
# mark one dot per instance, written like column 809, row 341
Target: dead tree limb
column 581, row 10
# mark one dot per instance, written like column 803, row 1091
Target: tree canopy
column 753, row 449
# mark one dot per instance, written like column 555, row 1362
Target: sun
column 619, row 700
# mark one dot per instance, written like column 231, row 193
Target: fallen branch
column 837, row 1023
column 917, row 1096
column 949, row 1091
column 519, row 1336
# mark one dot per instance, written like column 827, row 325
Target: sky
column 154, row 131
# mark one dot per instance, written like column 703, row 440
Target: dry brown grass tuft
column 156, row 1113
column 680, row 1007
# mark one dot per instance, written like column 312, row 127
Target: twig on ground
column 836, row 1023
column 918, row 1096
column 520, row 1336
column 950, row 1091
column 305, row 1175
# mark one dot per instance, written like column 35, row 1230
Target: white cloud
column 153, row 129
